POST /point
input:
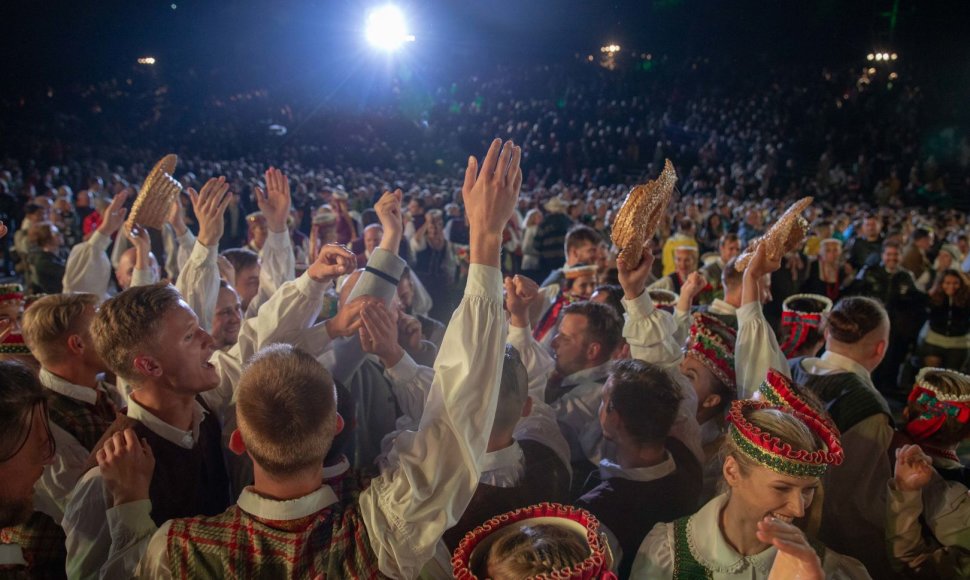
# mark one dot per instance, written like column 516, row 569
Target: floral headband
column 937, row 407
column 769, row 451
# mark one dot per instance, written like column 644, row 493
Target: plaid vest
column 331, row 543
column 86, row 423
column 42, row 541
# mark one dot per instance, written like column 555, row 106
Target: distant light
column 610, row 48
column 149, row 60
column 872, row 71
column 870, row 56
column 894, row 56
column 893, row 76
column 174, row 6
column 885, row 56
column 879, row 56
column 386, row 28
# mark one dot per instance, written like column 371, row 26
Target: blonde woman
column 773, row 460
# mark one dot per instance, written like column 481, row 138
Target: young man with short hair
column 291, row 523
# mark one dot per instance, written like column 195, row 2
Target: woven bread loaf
column 641, row 215
column 158, row 192
column 785, row 235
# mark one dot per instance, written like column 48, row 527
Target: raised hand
column 210, row 206
column 388, row 209
column 139, row 238
column 114, row 215
column 332, row 262
column 274, row 201
column 520, row 293
column 127, row 465
column 634, row 281
column 379, row 334
column 763, row 263
column 490, row 194
column 796, row 558
column 3, row 229
column 226, row 270
column 176, row 216
column 914, row 468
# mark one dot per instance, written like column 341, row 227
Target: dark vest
column 86, row 423
column 546, row 480
column 846, row 397
column 186, row 482
column 630, row 508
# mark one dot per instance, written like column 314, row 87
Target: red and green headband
column 798, row 323
column 473, row 549
column 769, row 451
column 937, row 407
column 712, row 348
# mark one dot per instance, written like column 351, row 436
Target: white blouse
column 655, row 558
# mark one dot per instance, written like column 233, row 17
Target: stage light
column 878, row 56
column 386, row 28
column 870, row 56
column 894, row 56
column 149, row 60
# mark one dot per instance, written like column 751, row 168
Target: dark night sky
column 56, row 41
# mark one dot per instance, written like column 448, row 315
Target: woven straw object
column 784, row 236
column 158, row 192
column 641, row 215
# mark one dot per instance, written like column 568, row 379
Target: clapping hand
column 379, row 334
column 388, row 209
column 127, row 465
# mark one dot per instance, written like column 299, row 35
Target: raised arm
column 520, row 293
column 198, row 280
column 88, row 268
column 756, row 349
column 277, row 258
column 432, row 473
column 650, row 332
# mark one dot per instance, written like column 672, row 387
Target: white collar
column 186, row 439
column 11, row 555
column 69, row 389
column 337, row 469
column 719, row 306
column 510, row 456
column 292, row 509
column 833, row 362
column 609, row 470
column 711, row 550
column 588, row 375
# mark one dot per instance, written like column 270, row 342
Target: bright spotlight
column 149, row 60
column 386, row 28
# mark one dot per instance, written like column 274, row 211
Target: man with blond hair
column 292, row 523
column 82, row 406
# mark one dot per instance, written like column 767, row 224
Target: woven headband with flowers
column 768, row 450
column 798, row 323
column 595, row 566
column 711, row 349
column 937, row 407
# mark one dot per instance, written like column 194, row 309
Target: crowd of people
column 330, row 369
